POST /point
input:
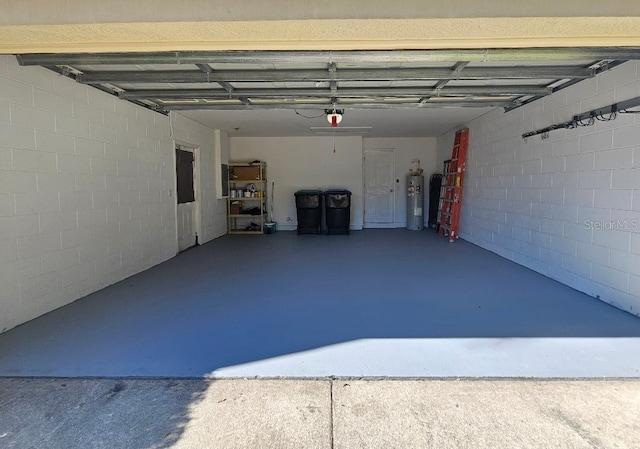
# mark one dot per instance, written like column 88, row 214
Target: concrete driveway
column 326, row 413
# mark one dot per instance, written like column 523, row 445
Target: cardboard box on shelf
column 235, row 208
column 246, row 173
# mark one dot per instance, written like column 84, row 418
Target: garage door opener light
column 334, row 116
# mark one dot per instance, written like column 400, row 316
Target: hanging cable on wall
column 590, row 122
column 612, row 116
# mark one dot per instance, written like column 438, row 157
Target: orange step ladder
column 450, row 206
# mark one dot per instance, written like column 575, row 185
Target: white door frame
column 364, row 190
column 196, row 187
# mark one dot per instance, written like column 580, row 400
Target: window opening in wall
column 224, row 173
column 184, row 175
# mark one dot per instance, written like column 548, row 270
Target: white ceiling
column 428, row 122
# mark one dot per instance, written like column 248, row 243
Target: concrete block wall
column 85, row 190
column 567, row 206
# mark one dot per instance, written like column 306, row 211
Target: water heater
column 415, row 202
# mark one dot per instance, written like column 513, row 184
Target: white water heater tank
column 415, row 202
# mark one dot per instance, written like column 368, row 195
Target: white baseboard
column 286, row 227
column 384, row 225
column 294, row 226
column 389, row 225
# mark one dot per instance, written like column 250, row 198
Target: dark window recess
column 224, row 173
column 184, row 171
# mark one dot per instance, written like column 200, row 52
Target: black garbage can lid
column 308, row 192
column 337, row 192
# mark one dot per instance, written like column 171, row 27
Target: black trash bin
column 337, row 211
column 309, row 210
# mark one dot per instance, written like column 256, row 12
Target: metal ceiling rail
column 225, row 85
column 603, row 66
column 293, row 105
column 167, row 94
column 197, row 76
column 381, row 56
column 457, row 67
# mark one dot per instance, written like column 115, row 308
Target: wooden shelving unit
column 252, row 178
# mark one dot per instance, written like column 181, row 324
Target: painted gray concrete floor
column 340, row 414
column 376, row 303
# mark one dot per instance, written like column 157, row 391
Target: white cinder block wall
column 569, row 206
column 85, row 183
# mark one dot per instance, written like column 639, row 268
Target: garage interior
column 544, row 282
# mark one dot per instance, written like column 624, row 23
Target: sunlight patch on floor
column 454, row 357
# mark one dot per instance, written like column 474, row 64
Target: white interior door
column 379, row 186
column 186, row 226
column 186, row 197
